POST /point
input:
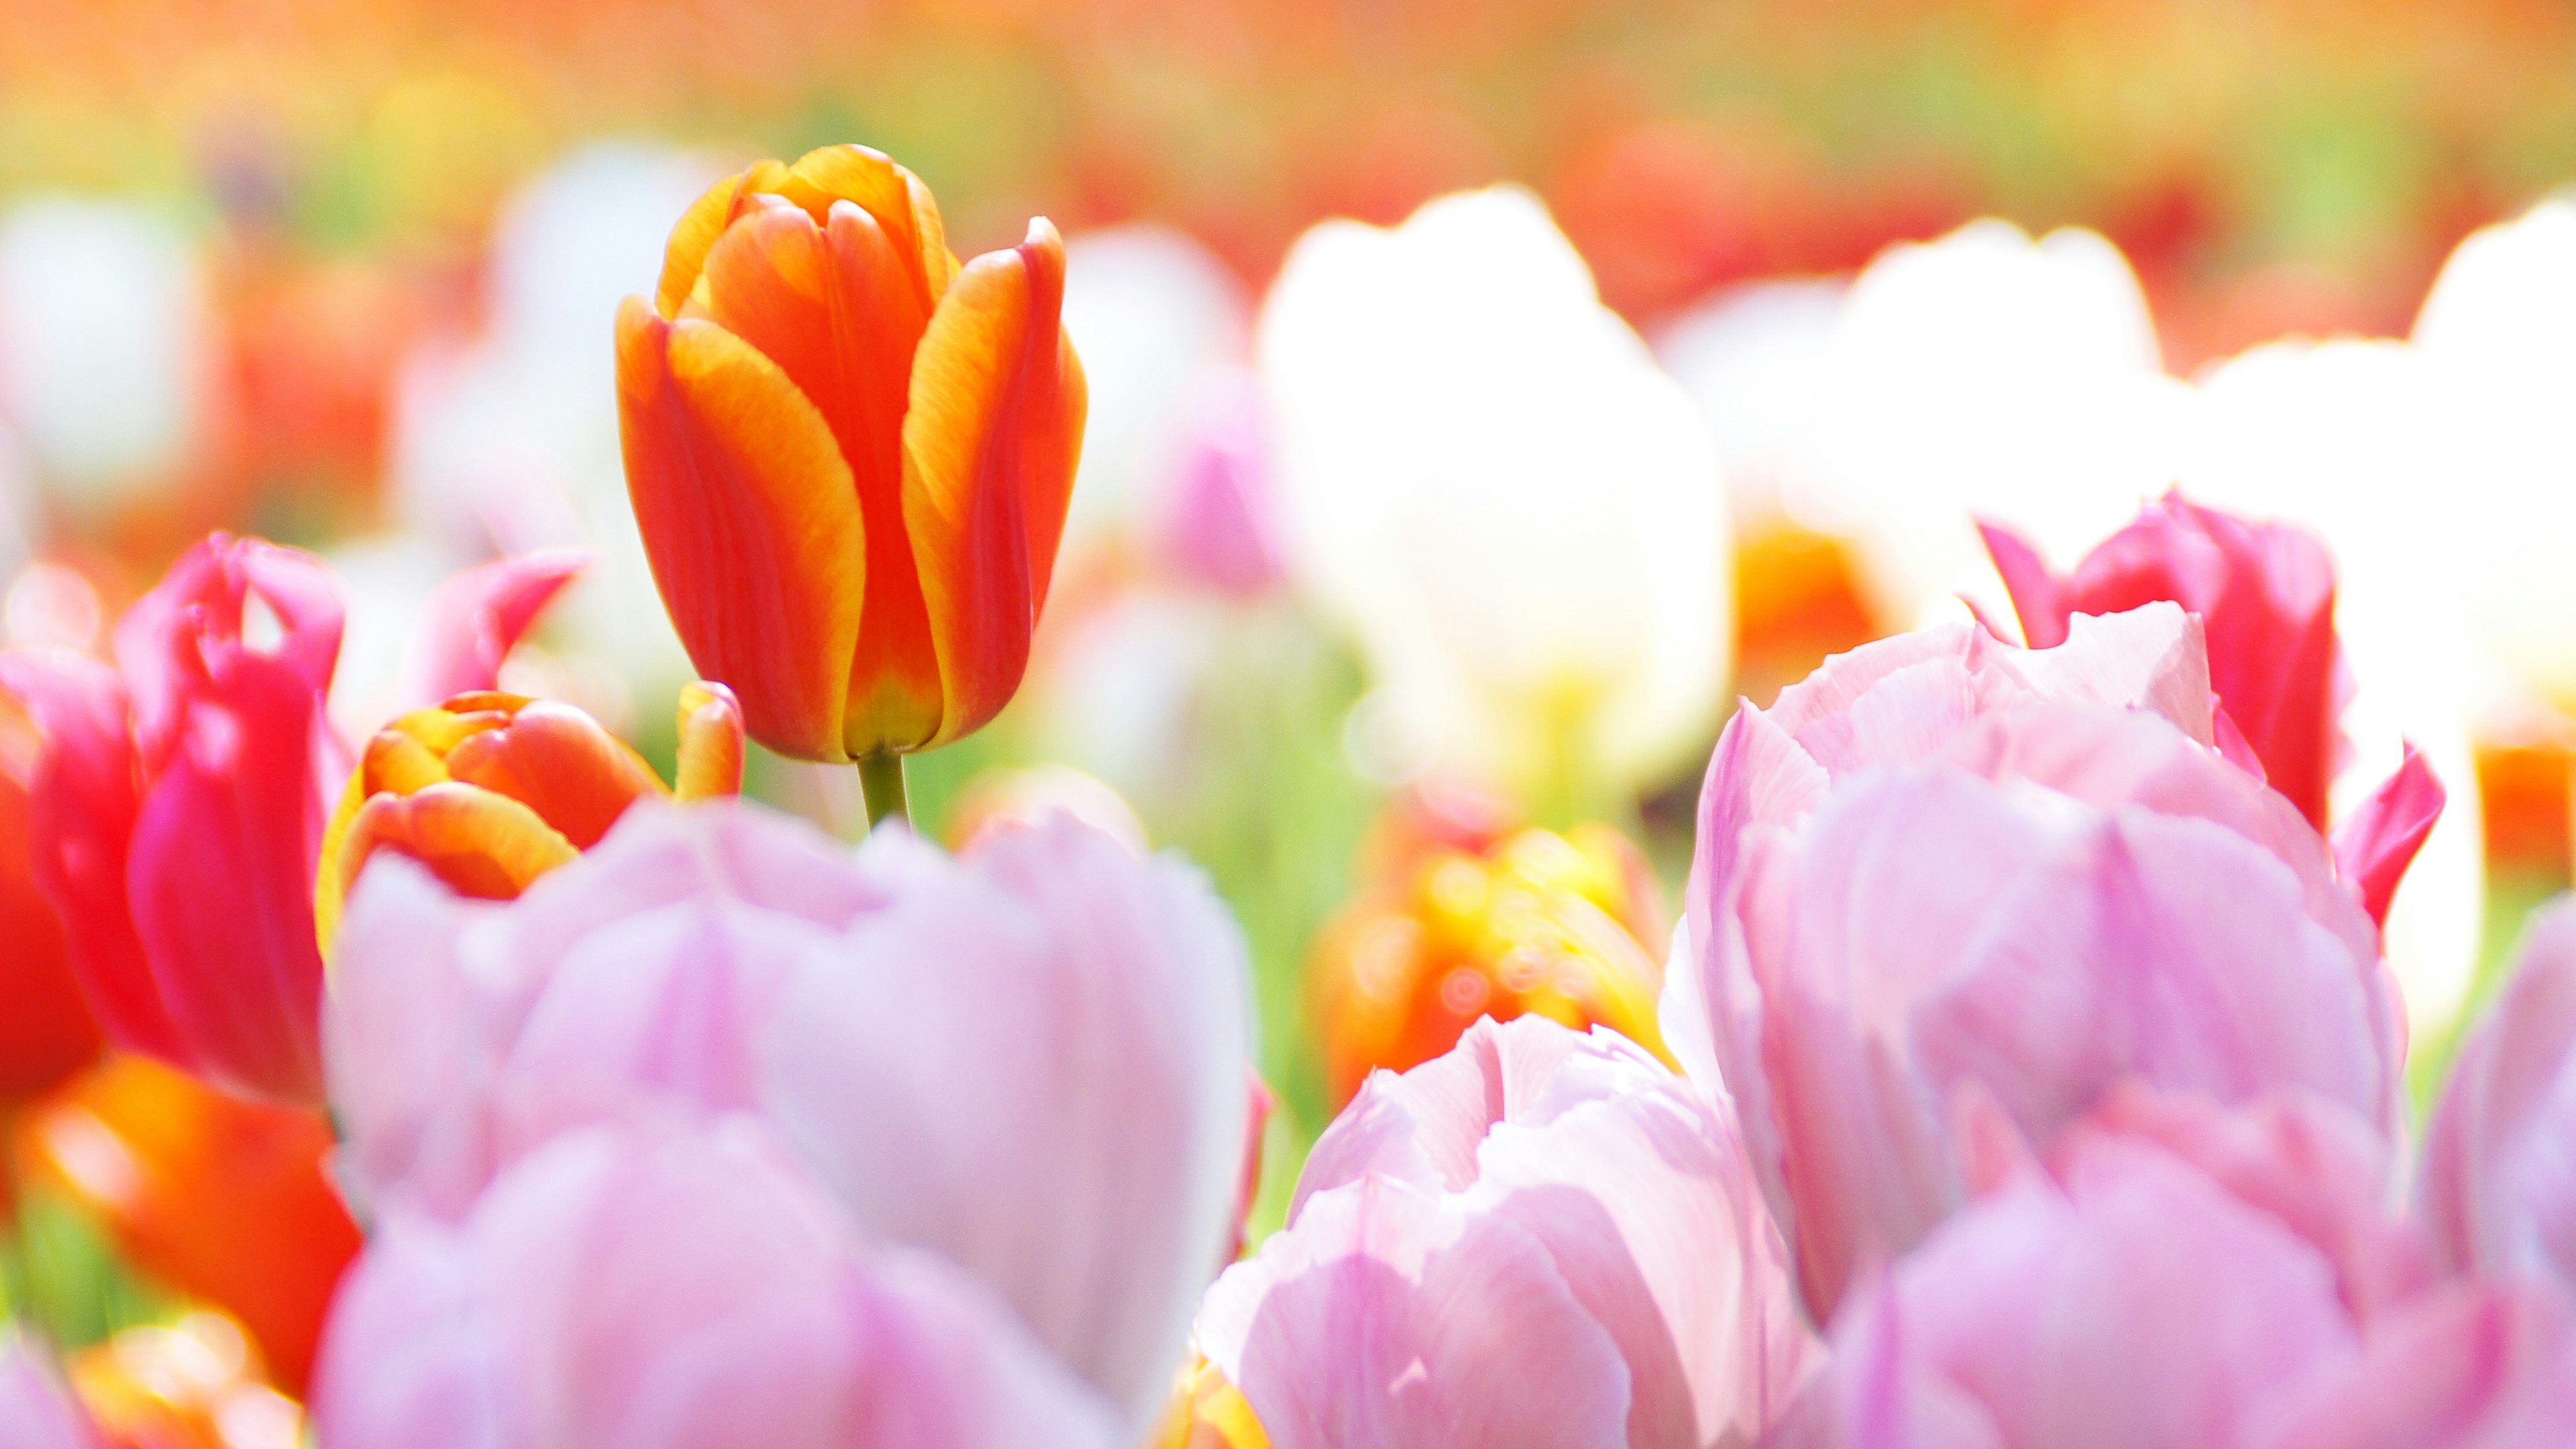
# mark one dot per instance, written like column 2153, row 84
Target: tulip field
column 1461, row 724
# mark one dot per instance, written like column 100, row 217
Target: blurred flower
column 1032, row 1059
column 192, row 1384
column 104, row 345
column 1542, row 1237
column 179, row 807
column 1492, row 923
column 1488, row 481
column 1209, row 1413
column 2497, row 1190
column 849, row 456
column 48, row 1032
column 227, row 1201
column 1944, row 871
column 508, row 439
column 626, row 1290
column 2126, row 1287
column 1219, row 527
column 1984, row 373
column 492, row 790
column 1757, row 359
column 40, row 1413
column 1160, row 321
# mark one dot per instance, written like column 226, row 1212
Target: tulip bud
column 492, row 790
column 850, row 456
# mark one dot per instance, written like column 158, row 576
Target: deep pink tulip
column 1542, row 1238
column 1030, row 1060
column 2499, row 1176
column 676, row 1290
column 181, row 797
column 36, row 1411
column 1945, row 875
column 2265, row 595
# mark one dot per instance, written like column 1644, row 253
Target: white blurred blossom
column 104, row 344
column 508, row 440
column 1486, row 478
column 1158, row 321
column 1755, row 358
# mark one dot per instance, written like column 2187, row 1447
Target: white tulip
column 1757, row 359
column 104, row 336
column 1487, row 479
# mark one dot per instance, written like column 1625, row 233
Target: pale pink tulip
column 1541, row 1238
column 181, row 797
column 690, row 1290
column 2471, row 1366
column 2499, row 1176
column 1946, row 874
column 36, row 1411
column 2128, row 1301
column 1030, row 1060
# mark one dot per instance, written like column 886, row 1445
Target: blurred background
column 342, row 274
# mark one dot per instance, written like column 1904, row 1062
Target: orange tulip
column 1532, row 922
column 228, row 1201
column 193, row 1384
column 850, row 455
column 492, row 790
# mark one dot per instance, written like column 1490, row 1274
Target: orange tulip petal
column 891, row 195
column 751, row 519
column 557, row 761
column 482, row 844
column 710, row 764
column 700, row 225
column 990, row 442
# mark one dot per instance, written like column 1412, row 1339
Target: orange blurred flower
column 849, row 455
column 46, row 1031
column 1207, row 1413
column 191, row 1385
column 226, row 1201
column 1475, row 922
column 492, row 790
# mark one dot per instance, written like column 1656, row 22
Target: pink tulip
column 36, row 1411
column 640, row 1290
column 1541, row 1238
column 1945, row 875
column 2499, row 1176
column 181, row 798
column 2472, row 1366
column 1221, row 528
column 1030, row 1060
column 2265, row 595
column 2128, row 1300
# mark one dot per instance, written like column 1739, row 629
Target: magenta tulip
column 1541, row 1238
column 2499, row 1177
column 1030, row 1060
column 181, row 797
column 1945, row 872
column 641, row 1290
column 2265, row 595
column 36, row 1411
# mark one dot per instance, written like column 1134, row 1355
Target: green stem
column 881, row 781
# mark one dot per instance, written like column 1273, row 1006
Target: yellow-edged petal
column 990, row 442
column 751, row 520
column 710, row 764
column 481, row 844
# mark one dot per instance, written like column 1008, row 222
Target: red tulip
column 47, row 1033
column 849, row 455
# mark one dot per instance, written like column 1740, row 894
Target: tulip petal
column 483, row 845
column 83, row 803
column 889, row 193
column 751, row 519
column 990, row 442
column 557, row 761
column 835, row 308
column 2033, row 589
column 221, row 880
column 695, row 235
column 2374, row 847
column 710, row 761
column 476, row 618
column 38, row 1410
column 1345, row 1331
